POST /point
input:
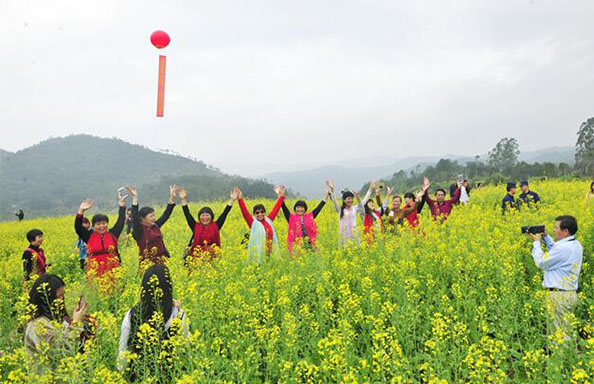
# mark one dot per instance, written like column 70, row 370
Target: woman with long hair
column 372, row 221
column 50, row 327
column 148, row 327
column 347, row 214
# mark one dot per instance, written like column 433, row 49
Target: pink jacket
column 296, row 231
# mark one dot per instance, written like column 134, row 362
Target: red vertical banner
column 161, row 88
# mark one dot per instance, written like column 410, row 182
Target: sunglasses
column 258, row 212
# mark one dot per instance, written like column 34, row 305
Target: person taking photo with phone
column 50, row 329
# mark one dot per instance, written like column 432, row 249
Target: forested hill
column 53, row 176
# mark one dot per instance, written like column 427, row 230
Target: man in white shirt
column 561, row 268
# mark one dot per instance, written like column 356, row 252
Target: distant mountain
column 550, row 155
column 53, row 176
column 310, row 183
column 4, row 154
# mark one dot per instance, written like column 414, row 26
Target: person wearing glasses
column 263, row 240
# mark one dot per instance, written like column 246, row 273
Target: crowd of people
column 99, row 254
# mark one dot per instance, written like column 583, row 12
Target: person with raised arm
column 263, row 240
column 147, row 228
column 347, row 214
column 440, row 207
column 410, row 210
column 372, row 220
column 303, row 229
column 102, row 242
column 464, row 192
column 206, row 241
column 394, row 213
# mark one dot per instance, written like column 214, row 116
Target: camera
column 533, row 229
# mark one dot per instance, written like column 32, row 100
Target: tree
column 505, row 154
column 584, row 148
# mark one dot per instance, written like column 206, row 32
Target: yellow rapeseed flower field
column 455, row 303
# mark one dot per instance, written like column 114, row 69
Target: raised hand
column 182, row 193
column 85, row 205
column 283, row 191
column 389, row 191
column 426, row 183
column 330, row 185
column 132, row 191
column 121, row 200
column 172, row 191
column 277, row 189
column 239, row 193
column 234, row 194
column 376, row 187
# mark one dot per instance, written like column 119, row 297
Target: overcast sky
column 256, row 86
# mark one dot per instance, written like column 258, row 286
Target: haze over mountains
column 310, row 183
column 53, row 176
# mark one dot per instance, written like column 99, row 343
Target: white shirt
column 463, row 195
column 562, row 264
column 347, row 225
column 176, row 312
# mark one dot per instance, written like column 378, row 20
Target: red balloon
column 160, row 39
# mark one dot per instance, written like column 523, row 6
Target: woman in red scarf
column 206, row 241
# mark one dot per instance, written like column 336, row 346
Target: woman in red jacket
column 263, row 240
column 102, row 243
column 206, row 242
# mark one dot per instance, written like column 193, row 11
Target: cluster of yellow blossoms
column 454, row 303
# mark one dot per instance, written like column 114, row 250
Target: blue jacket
column 509, row 202
column 530, row 197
